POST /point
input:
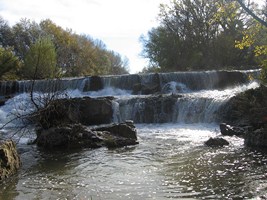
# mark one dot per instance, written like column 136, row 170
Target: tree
column 40, row 60
column 197, row 35
column 255, row 38
column 25, row 33
column 9, row 64
column 6, row 35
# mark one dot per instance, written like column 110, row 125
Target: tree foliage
column 255, row 37
column 197, row 35
column 40, row 60
column 9, row 64
column 76, row 55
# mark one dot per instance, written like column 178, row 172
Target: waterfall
column 177, row 107
column 180, row 97
column 137, row 83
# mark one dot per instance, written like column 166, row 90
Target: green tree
column 40, row 60
column 9, row 64
column 197, row 35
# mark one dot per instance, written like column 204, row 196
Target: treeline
column 45, row 50
column 205, row 34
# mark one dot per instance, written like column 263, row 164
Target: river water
column 170, row 161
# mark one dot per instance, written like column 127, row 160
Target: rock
column 71, row 136
column 9, row 159
column 257, row 138
column 79, row 136
column 248, row 108
column 125, row 130
column 87, row 111
column 231, row 130
column 216, row 142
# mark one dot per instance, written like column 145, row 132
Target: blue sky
column 118, row 23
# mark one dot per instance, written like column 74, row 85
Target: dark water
column 170, row 162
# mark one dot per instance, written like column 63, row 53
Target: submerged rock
column 9, row 159
column 216, row 142
column 79, row 136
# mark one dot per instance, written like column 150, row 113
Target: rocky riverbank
column 246, row 116
column 9, row 159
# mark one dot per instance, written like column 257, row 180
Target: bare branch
column 251, row 13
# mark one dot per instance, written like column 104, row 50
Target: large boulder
column 216, row 142
column 247, row 108
column 79, row 136
column 9, row 159
column 69, row 136
column 86, row 110
column 125, row 130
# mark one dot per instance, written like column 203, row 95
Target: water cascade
column 174, row 114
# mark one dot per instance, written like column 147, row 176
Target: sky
column 118, row 23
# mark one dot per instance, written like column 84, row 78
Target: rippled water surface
column 170, row 162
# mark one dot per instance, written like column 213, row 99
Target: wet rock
column 69, row 136
column 79, row 136
column 248, row 110
column 125, row 130
column 87, row 111
column 231, row 130
column 257, row 138
column 9, row 159
column 216, row 142
column 149, row 85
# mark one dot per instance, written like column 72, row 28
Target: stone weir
column 136, row 83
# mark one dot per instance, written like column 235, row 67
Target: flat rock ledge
column 74, row 136
column 9, row 159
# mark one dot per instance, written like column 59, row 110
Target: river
column 170, row 161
